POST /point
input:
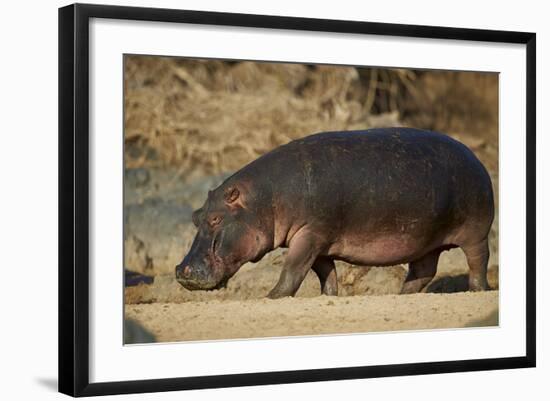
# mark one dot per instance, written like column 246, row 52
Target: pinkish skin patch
column 386, row 250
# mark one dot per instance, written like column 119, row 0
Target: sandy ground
column 210, row 320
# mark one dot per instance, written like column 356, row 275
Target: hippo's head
column 228, row 235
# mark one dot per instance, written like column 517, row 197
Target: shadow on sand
column 449, row 284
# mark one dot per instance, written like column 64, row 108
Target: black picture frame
column 74, row 198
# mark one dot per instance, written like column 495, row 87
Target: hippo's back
column 384, row 167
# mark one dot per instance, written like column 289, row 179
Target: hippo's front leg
column 302, row 252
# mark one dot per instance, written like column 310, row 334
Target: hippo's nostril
column 183, row 271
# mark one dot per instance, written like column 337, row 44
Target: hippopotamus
column 376, row 197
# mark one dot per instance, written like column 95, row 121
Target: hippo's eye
column 214, row 221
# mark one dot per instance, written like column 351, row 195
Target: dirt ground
column 212, row 320
column 189, row 124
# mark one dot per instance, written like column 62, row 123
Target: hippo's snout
column 194, row 278
column 189, row 277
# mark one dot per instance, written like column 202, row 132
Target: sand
column 213, row 320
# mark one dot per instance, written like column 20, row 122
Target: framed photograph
column 251, row 199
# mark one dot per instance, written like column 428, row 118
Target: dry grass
column 212, row 116
column 455, row 102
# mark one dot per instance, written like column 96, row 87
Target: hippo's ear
column 231, row 194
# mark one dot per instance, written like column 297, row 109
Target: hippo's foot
column 478, row 258
column 288, row 285
column 421, row 272
column 414, row 286
column 478, row 284
column 276, row 294
column 326, row 271
column 476, row 287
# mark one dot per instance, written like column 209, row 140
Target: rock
column 135, row 333
column 132, row 278
column 156, row 235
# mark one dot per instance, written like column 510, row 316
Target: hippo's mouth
column 221, row 284
column 194, row 285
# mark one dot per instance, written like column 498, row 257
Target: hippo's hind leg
column 421, row 272
column 326, row 271
column 302, row 252
column 478, row 257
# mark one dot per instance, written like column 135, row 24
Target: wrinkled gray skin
column 371, row 198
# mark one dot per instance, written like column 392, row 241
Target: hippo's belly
column 388, row 250
column 383, row 250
